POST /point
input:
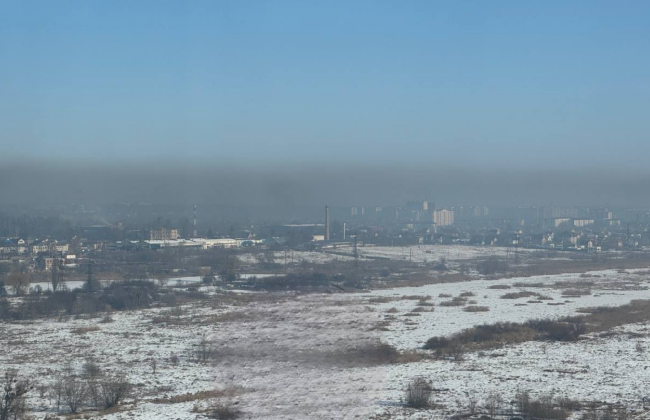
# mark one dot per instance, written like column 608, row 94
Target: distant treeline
column 34, row 226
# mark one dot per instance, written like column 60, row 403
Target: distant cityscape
column 69, row 236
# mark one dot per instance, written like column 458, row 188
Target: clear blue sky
column 540, row 83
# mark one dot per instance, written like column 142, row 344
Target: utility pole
column 194, row 233
column 89, row 281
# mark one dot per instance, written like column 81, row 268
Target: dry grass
column 576, row 292
column 529, row 285
column 457, row 301
column 415, row 297
column 519, row 295
column 381, row 299
column 476, row 308
column 84, row 330
column 201, row 395
column 564, row 329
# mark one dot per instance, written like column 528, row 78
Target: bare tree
column 74, row 393
column 162, row 279
column 522, row 399
column 472, row 402
column 203, row 350
column 493, row 404
column 19, row 281
column 12, row 401
column 228, row 267
column 57, row 276
column 94, row 393
column 56, row 392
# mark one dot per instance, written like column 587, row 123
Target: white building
column 443, row 217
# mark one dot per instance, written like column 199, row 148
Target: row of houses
column 19, row 246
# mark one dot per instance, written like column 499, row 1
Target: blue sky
column 491, row 83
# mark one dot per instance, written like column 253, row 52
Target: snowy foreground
column 284, row 356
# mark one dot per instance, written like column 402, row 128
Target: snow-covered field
column 286, row 356
column 295, row 257
column 607, row 370
column 415, row 253
column 433, row 253
column 610, row 288
column 274, row 359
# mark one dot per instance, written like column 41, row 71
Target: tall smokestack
column 327, row 223
column 194, row 233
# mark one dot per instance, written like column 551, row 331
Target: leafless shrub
column 492, row 265
column 114, row 390
column 174, row 359
column 545, row 406
column 639, row 347
column 499, row 286
column 223, row 412
column 467, row 294
column 444, row 295
column 379, row 353
column 418, row 393
column 392, row 310
column 108, row 318
column 91, row 369
column 457, row 351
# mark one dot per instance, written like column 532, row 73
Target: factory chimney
column 327, row 223
column 194, row 235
